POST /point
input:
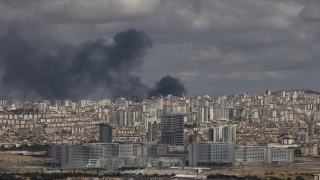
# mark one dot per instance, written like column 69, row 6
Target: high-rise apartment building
column 303, row 138
column 172, row 129
column 268, row 92
column 215, row 134
column 152, row 131
column 225, row 133
column 310, row 128
column 229, row 133
column 192, row 138
column 204, row 114
column 105, row 133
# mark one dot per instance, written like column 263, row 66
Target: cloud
column 311, row 12
column 268, row 43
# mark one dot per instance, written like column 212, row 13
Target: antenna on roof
column 171, row 104
column 165, row 106
column 24, row 95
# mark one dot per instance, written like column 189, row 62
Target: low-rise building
column 263, row 154
column 211, row 154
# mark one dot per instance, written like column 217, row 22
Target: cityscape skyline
column 164, row 133
column 28, row 97
column 160, row 89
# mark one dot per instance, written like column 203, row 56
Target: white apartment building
column 262, row 154
column 78, row 156
column 225, row 133
column 211, row 154
column 219, row 113
column 92, row 154
column 204, row 114
column 84, row 103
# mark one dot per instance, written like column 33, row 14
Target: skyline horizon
column 93, row 98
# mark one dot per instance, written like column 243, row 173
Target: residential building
column 152, row 131
column 225, row 133
column 105, row 133
column 172, row 129
column 310, row 128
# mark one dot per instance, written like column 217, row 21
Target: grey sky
column 214, row 47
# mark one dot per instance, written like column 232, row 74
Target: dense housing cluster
column 133, row 133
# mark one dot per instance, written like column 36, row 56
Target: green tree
column 297, row 152
column 274, row 178
column 299, row 178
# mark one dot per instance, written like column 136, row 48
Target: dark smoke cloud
column 168, row 85
column 73, row 72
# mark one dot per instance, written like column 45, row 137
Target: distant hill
column 311, row 92
column 306, row 91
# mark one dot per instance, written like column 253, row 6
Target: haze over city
column 82, row 49
column 160, row 89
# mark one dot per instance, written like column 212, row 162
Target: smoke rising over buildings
column 168, row 85
column 74, row 72
column 212, row 45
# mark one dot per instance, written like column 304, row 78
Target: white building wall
column 201, row 153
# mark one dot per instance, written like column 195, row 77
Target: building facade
column 152, row 131
column 303, row 138
column 104, row 154
column 172, row 129
column 225, row 133
column 211, row 154
column 105, row 133
column 263, row 155
column 310, row 128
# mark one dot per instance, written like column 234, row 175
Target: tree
column 297, row 152
column 223, row 176
column 274, row 178
column 299, row 178
column 118, row 174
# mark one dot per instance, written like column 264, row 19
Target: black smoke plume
column 73, row 72
column 168, row 85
